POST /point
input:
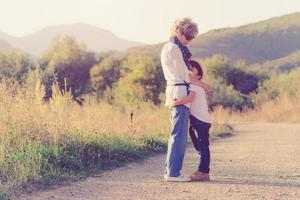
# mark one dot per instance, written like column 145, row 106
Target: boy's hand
column 173, row 103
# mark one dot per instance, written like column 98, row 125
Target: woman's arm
column 200, row 83
column 188, row 99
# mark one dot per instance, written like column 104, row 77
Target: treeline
column 123, row 78
column 133, row 77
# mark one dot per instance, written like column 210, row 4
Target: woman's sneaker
column 176, row 179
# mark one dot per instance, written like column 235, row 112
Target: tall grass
column 284, row 109
column 45, row 142
column 220, row 122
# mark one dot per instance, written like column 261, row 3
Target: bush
column 277, row 86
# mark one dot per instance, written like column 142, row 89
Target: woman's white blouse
column 175, row 71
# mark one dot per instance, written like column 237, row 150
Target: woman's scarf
column 184, row 50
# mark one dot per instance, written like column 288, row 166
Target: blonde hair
column 184, row 26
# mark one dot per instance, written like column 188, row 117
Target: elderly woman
column 175, row 63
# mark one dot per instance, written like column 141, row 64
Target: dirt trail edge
column 261, row 162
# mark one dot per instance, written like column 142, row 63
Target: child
column 200, row 121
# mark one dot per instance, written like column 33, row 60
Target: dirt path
column 261, row 162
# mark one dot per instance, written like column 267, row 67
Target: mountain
column 96, row 39
column 258, row 42
column 255, row 43
column 4, row 46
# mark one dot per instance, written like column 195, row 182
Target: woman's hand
column 208, row 90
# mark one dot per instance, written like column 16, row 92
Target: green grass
column 72, row 158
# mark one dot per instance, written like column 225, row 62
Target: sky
column 147, row 21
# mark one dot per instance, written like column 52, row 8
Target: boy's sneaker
column 176, row 179
column 200, row 176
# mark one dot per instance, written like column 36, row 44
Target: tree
column 69, row 63
column 141, row 80
column 242, row 81
column 16, row 65
column 285, row 84
column 227, row 96
column 218, row 66
column 238, row 75
column 104, row 75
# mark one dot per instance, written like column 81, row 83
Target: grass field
column 47, row 142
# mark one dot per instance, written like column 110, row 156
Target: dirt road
column 262, row 161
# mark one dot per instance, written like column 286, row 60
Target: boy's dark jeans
column 201, row 130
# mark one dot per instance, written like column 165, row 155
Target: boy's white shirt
column 175, row 71
column 199, row 107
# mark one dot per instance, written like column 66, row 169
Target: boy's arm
column 185, row 100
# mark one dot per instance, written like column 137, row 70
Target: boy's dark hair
column 197, row 66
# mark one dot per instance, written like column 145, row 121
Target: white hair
column 184, row 26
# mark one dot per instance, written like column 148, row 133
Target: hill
column 96, row 39
column 258, row 42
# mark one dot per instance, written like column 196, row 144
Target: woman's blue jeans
column 177, row 140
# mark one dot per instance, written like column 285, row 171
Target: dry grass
column 36, row 137
column 42, row 141
column 284, row 109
